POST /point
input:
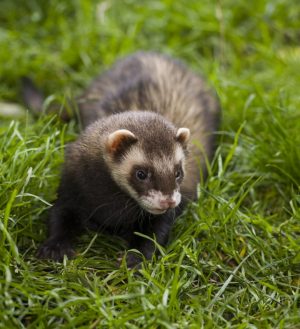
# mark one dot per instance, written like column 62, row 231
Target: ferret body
column 149, row 124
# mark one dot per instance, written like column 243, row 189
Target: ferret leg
column 158, row 228
column 64, row 227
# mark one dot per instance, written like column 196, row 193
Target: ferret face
column 154, row 179
column 156, row 183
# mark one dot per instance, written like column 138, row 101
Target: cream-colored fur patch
column 179, row 155
column 121, row 171
column 151, row 202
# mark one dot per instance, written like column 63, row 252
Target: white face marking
column 162, row 164
column 120, row 171
column 166, row 165
column 177, row 197
column 156, row 202
column 179, row 155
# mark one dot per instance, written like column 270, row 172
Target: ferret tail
column 33, row 98
column 35, row 101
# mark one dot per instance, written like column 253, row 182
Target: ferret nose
column 167, row 203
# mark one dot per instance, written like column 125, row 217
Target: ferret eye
column 178, row 174
column 141, row 174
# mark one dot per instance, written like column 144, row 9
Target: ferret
column 149, row 131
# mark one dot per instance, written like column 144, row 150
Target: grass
column 234, row 257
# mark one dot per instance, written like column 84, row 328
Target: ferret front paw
column 55, row 249
column 134, row 260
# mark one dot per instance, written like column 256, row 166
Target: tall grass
column 233, row 260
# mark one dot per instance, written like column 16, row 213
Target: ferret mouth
column 156, row 211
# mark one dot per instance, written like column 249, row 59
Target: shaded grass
column 233, row 260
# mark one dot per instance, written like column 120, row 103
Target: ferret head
column 149, row 163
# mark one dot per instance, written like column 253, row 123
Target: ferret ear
column 118, row 141
column 183, row 136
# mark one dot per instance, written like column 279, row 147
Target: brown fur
column 138, row 105
column 155, row 82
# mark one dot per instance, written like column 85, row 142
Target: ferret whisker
column 119, row 220
column 100, row 206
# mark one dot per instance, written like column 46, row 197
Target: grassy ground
column 233, row 261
